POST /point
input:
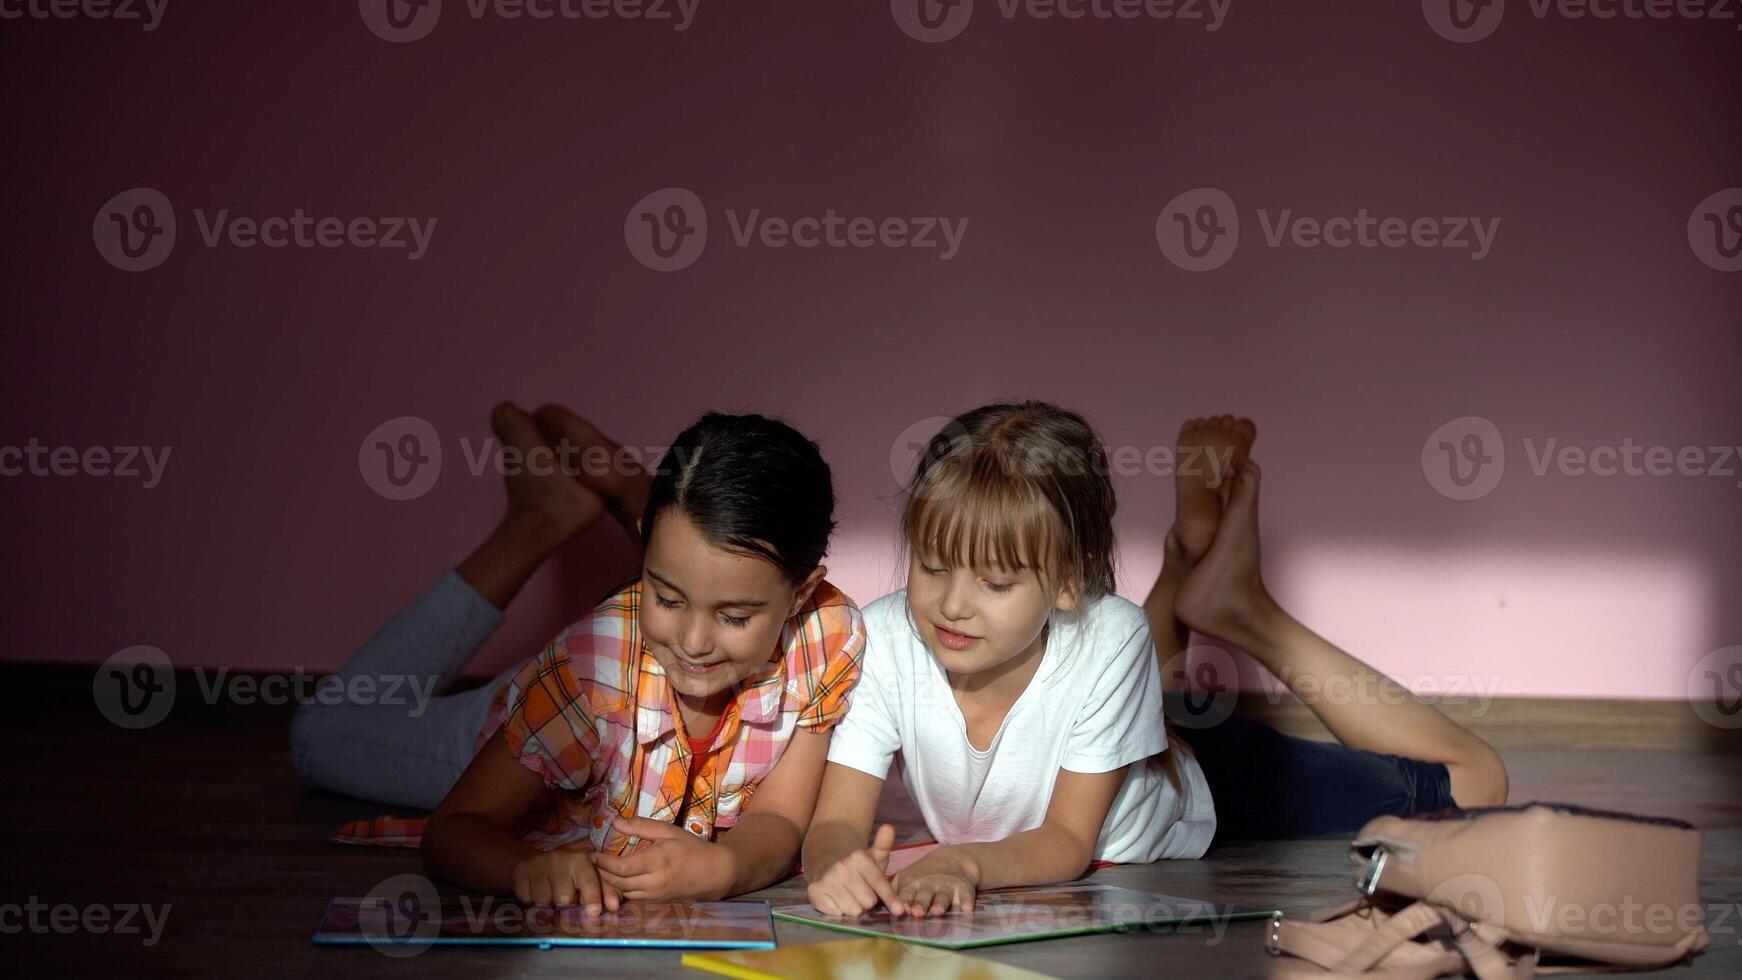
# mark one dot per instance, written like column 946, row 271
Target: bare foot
column 1224, row 595
column 593, row 459
column 1209, row 451
column 540, row 496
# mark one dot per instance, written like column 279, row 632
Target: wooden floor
column 203, row 813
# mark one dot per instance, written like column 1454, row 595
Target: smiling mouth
column 697, row 667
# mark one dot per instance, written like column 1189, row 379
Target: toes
column 1245, row 484
column 1247, row 428
column 502, row 415
column 513, row 426
column 557, row 420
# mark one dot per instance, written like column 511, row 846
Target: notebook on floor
column 1015, row 915
column 482, row 921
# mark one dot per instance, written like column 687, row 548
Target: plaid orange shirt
column 594, row 715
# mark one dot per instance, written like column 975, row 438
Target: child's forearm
column 763, row 847
column 473, row 852
column 1034, row 857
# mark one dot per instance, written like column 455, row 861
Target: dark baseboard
column 1535, row 722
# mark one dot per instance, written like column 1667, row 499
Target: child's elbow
column 1076, row 855
column 436, row 835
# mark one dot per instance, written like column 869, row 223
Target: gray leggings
column 396, row 736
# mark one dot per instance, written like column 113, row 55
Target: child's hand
column 856, row 883
column 563, row 878
column 676, row 865
column 938, row 883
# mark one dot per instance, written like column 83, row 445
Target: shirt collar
column 758, row 700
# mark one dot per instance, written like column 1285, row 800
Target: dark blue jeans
column 1271, row 786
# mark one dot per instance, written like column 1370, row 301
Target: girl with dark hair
column 668, row 745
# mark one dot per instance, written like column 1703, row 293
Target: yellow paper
column 853, row 959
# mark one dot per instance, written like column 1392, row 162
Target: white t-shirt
column 1093, row 705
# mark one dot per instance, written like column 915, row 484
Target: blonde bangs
column 969, row 513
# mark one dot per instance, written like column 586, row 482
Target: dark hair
column 1017, row 484
column 750, row 484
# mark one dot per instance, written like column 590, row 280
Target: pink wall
column 1591, row 321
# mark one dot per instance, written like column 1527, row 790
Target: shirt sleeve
column 868, row 738
column 549, row 724
column 838, row 632
column 1121, row 721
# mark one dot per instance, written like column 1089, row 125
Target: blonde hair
column 1017, row 485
